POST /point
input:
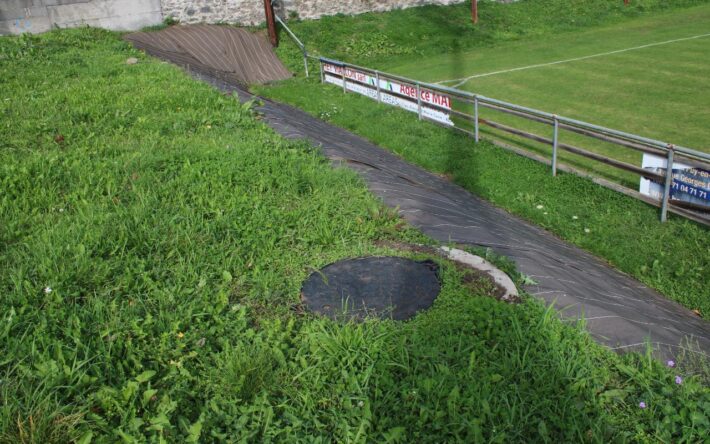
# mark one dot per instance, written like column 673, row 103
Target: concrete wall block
column 125, row 22
column 100, row 9
column 18, row 16
column 35, row 25
column 12, row 12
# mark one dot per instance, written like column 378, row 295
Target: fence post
column 667, row 186
column 305, row 62
column 379, row 92
column 475, row 118
column 555, row 142
column 322, row 75
column 345, row 81
column 419, row 101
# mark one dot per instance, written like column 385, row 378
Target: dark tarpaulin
column 231, row 54
column 384, row 287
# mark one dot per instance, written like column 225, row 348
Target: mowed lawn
column 154, row 235
column 659, row 91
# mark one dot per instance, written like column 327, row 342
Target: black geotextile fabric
column 231, row 54
column 620, row 312
column 383, row 287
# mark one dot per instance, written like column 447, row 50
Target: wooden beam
column 474, row 11
column 271, row 23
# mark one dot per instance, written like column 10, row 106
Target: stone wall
column 251, row 12
column 243, row 12
column 311, row 9
column 18, row 16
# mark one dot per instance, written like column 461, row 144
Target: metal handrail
column 298, row 42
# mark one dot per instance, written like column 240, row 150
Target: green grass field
column 659, row 92
column 154, row 235
column 673, row 258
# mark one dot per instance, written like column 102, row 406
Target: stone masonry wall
column 18, row 16
column 243, row 12
column 311, row 9
column 251, row 12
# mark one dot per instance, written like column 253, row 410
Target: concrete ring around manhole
column 509, row 292
column 372, row 287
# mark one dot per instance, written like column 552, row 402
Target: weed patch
column 151, row 263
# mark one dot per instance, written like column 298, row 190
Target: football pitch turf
column 649, row 76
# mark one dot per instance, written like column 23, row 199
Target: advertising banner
column 357, row 81
column 690, row 184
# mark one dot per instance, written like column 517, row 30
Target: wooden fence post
column 271, row 23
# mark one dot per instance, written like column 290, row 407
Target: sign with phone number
column 689, row 184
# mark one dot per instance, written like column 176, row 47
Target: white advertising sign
column 689, row 184
column 409, row 104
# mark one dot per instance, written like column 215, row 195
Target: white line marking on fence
column 463, row 80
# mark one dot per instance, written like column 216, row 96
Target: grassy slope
column 674, row 258
column 174, row 230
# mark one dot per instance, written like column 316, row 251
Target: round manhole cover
column 384, row 287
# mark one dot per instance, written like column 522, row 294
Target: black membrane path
column 384, row 287
column 620, row 312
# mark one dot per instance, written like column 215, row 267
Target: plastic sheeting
column 383, row 287
column 227, row 53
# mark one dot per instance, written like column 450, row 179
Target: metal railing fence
column 670, row 152
column 418, row 94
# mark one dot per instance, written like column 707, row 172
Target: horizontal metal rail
column 693, row 158
column 661, row 145
column 575, row 150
